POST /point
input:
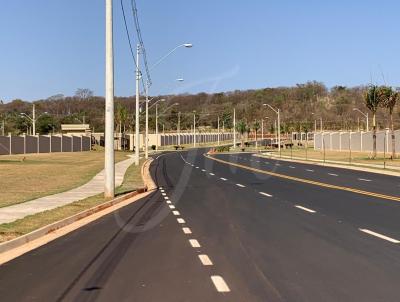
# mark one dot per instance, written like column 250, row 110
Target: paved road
column 217, row 232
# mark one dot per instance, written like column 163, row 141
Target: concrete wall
column 359, row 141
column 43, row 144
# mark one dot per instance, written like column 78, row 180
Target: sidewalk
column 93, row 187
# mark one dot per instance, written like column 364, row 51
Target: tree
column 241, row 127
column 83, row 93
column 372, row 102
column 389, row 98
column 46, row 124
column 256, row 127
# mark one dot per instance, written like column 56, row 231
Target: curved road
column 243, row 228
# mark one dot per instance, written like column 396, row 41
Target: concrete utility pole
column 179, row 128
column 320, row 119
column 109, row 173
column 137, row 138
column 234, row 128
column 194, row 129
column 262, row 131
column 278, row 112
column 34, row 119
column 146, row 144
column 156, row 127
column 218, row 132
column 3, row 127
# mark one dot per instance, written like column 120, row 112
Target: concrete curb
column 327, row 164
column 36, row 234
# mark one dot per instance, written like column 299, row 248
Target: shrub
column 153, row 147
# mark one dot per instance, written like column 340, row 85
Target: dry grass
column 8, row 231
column 26, row 177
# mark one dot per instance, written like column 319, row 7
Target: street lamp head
column 162, row 100
column 176, row 104
column 180, row 80
column 188, row 45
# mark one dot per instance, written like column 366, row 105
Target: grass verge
column 31, row 176
column 8, row 231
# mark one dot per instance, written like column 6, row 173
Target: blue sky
column 55, row 46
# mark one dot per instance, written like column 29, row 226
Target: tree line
column 300, row 106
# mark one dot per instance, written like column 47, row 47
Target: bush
column 247, row 144
column 222, row 149
column 153, row 147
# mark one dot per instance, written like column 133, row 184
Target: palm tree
column 372, row 102
column 241, row 127
column 256, row 127
column 389, row 98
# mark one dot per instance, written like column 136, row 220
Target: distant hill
column 300, row 106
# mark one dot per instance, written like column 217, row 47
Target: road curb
column 48, row 229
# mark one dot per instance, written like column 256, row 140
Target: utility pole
column 109, row 175
column 234, row 128
column 137, row 138
column 262, row 131
column 156, row 127
column 3, row 127
column 218, row 132
column 34, row 119
column 146, row 144
column 321, row 124
column 179, row 128
column 194, row 129
column 279, row 130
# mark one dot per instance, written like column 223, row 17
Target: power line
column 127, row 34
column 139, row 34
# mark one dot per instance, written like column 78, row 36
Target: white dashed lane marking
column 332, row 174
column 291, row 167
column 363, row 179
column 309, row 170
column 205, row 260
column 176, row 213
column 171, row 207
column 187, row 230
column 240, row 185
column 203, row 170
column 380, row 236
column 194, row 243
column 212, row 174
column 168, row 201
column 305, row 209
column 220, row 284
column 180, row 220
column 265, row 194
column 224, row 179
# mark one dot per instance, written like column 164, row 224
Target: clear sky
column 56, row 46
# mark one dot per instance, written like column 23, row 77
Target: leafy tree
column 241, row 127
column 372, row 102
column 389, row 98
column 46, row 124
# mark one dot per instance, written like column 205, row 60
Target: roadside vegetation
column 27, row 177
column 132, row 181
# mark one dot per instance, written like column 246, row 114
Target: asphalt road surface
column 243, row 228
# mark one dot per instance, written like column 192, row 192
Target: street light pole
column 194, row 129
column 278, row 112
column 137, row 138
column 34, row 119
column 234, row 128
column 156, row 127
column 365, row 115
column 147, row 123
column 218, row 132
column 179, row 128
column 109, row 175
